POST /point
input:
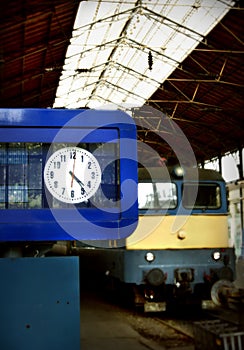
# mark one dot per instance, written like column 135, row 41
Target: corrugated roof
column 204, row 95
column 34, row 39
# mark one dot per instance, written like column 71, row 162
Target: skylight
column 122, row 51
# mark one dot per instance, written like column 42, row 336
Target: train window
column 208, row 196
column 157, row 195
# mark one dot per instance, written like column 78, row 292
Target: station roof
column 199, row 85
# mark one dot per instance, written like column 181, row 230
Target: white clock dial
column 72, row 174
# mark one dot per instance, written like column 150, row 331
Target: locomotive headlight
column 178, row 171
column 150, row 257
column 216, row 255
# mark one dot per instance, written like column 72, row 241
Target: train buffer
column 218, row 334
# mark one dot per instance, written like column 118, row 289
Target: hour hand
column 76, row 179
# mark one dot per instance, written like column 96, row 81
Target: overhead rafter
column 203, row 93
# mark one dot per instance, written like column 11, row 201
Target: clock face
column 72, row 175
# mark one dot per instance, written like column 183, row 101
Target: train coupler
column 183, row 278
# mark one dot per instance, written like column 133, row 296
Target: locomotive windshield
column 208, row 196
column 157, row 195
column 163, row 195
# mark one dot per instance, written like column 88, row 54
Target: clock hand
column 76, row 179
column 73, row 174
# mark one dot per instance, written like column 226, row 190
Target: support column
column 220, row 163
column 240, row 168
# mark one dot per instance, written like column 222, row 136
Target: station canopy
column 180, row 57
column 122, row 51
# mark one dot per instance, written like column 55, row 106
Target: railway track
column 182, row 326
column 213, row 328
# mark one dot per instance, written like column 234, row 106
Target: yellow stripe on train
column 198, row 231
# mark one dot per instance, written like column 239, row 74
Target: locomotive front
column 181, row 245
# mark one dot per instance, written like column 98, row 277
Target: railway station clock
column 72, row 174
column 67, row 175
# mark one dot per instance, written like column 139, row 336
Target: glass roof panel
column 107, row 61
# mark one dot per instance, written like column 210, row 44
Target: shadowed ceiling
column 203, row 95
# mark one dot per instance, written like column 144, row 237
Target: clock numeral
column 63, row 190
column 89, row 184
column 51, row 174
column 72, row 193
column 55, row 184
column 73, row 155
column 56, row 165
column 93, row 175
column 82, row 191
column 82, row 158
column 63, row 158
column 89, row 165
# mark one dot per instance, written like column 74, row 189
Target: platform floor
column 103, row 327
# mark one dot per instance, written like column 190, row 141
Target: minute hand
column 76, row 179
